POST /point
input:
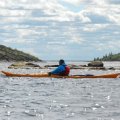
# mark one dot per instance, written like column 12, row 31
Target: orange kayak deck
column 39, row 75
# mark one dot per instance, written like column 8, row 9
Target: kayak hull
column 39, row 75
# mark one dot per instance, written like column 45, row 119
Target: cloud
column 103, row 9
column 111, row 46
column 117, row 32
column 94, row 27
column 59, row 52
column 74, row 2
column 56, row 43
column 67, row 25
column 30, row 50
column 99, row 2
column 116, row 2
column 84, row 2
column 55, row 11
column 13, row 13
column 18, row 41
column 47, row 11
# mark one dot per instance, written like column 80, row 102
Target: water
column 59, row 99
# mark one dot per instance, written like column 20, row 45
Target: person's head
column 61, row 62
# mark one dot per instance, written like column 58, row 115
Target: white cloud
column 56, row 43
column 2, row 4
column 52, row 9
column 18, row 41
column 99, row 2
column 58, row 12
column 114, row 18
column 22, row 33
column 73, row 36
column 103, row 9
column 113, row 1
column 109, row 45
column 30, row 50
column 59, row 51
column 117, row 32
column 10, row 20
column 77, row 39
column 75, row 2
column 94, row 27
column 14, row 13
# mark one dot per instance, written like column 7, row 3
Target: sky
column 61, row 29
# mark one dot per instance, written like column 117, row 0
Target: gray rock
column 23, row 65
column 111, row 68
column 49, row 66
column 96, row 64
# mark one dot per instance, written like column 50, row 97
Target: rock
column 111, row 68
column 48, row 66
column 96, row 68
column 24, row 65
column 95, row 64
column 72, row 66
column 32, row 65
column 83, row 65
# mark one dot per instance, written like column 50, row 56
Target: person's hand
column 49, row 73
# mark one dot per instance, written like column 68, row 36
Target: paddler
column 62, row 69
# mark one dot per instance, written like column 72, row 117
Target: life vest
column 66, row 72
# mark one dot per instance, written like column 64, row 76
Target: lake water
column 59, row 99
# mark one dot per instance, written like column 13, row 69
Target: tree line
column 109, row 57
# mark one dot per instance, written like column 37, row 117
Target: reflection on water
column 59, row 99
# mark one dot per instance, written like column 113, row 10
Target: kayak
column 10, row 74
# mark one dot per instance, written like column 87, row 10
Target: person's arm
column 58, row 70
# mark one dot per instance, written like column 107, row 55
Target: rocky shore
column 90, row 66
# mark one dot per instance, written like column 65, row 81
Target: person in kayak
column 62, row 69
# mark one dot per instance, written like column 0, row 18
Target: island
column 109, row 57
column 9, row 54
